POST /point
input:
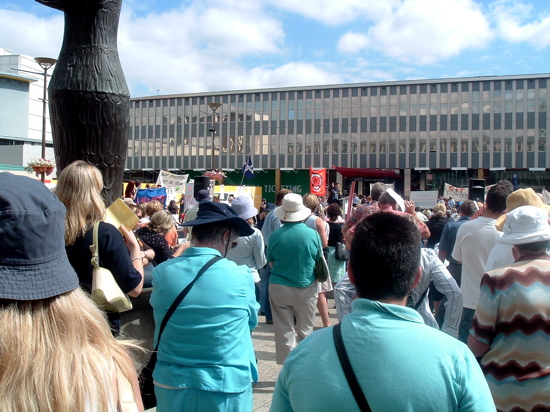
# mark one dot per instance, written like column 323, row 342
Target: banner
column 458, row 194
column 177, row 182
column 146, row 195
column 318, row 182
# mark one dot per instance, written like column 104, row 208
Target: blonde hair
column 79, row 188
column 439, row 210
column 311, row 201
column 58, row 354
column 161, row 222
column 153, row 207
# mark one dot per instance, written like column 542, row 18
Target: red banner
column 318, row 181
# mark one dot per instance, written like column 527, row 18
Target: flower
column 215, row 175
column 39, row 163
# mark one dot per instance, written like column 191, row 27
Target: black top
column 335, row 233
column 113, row 255
column 436, row 225
column 157, row 242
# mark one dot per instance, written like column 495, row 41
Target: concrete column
column 407, row 182
column 277, row 180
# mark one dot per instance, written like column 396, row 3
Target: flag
column 248, row 168
column 317, row 182
column 146, row 195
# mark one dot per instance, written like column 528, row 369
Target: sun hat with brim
column 521, row 197
column 33, row 261
column 129, row 201
column 525, row 224
column 212, row 212
column 292, row 209
column 244, row 207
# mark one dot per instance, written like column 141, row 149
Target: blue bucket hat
column 211, row 212
column 33, row 261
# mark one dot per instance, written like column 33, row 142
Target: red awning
column 349, row 173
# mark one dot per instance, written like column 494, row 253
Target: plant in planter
column 215, row 175
column 40, row 165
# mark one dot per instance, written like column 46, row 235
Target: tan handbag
column 105, row 291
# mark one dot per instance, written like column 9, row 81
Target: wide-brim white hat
column 292, row 209
column 525, row 224
column 244, row 207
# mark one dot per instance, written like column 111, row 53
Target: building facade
column 21, row 108
column 446, row 129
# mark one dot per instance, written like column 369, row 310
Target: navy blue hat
column 270, row 207
column 33, row 261
column 212, row 212
column 203, row 196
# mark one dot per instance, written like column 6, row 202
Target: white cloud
column 515, row 23
column 334, row 13
column 428, row 31
column 24, row 33
column 352, row 42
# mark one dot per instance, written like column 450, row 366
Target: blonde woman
column 318, row 224
column 56, row 350
column 79, row 189
column 153, row 234
column 436, row 224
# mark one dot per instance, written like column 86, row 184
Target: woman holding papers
column 79, row 188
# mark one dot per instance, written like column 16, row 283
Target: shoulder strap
column 182, row 295
column 95, row 246
column 348, row 370
column 421, row 298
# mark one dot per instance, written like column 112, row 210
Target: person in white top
column 250, row 249
column 474, row 241
column 501, row 255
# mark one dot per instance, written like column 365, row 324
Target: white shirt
column 434, row 270
column 501, row 255
column 474, row 241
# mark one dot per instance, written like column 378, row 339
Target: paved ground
column 264, row 346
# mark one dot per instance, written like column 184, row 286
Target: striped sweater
column 513, row 317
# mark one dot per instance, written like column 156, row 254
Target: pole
column 213, row 159
column 43, row 174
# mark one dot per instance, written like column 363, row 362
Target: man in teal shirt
column 401, row 364
column 292, row 252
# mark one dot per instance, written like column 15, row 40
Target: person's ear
column 226, row 236
column 418, row 277
column 350, row 273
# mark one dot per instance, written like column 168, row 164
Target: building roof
column 349, row 85
column 18, row 77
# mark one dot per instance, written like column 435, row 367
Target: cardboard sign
column 424, row 199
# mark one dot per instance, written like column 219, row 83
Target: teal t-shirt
column 294, row 249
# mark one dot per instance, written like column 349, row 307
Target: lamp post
column 213, row 106
column 46, row 63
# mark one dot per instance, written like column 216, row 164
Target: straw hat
column 521, row 197
column 292, row 209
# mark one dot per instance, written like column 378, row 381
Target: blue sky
column 198, row 46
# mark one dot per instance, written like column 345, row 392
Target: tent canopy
column 350, row 173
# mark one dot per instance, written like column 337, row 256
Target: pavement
column 264, row 346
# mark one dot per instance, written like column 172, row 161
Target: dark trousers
column 265, row 273
column 466, row 324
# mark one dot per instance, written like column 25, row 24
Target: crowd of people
column 446, row 310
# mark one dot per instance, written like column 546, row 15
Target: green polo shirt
column 293, row 249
